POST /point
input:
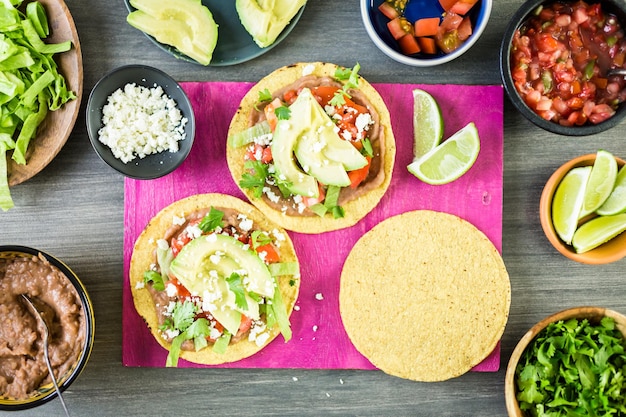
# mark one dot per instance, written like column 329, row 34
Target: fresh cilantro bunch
column 574, row 368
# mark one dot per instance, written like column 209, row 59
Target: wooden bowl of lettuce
column 570, row 363
column 65, row 89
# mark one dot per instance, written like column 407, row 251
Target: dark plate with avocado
column 234, row 43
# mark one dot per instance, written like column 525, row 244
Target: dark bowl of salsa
column 555, row 60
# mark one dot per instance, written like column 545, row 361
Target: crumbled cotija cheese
column 140, row 121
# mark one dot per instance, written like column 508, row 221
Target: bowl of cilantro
column 570, row 363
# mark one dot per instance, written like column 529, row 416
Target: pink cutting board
column 319, row 339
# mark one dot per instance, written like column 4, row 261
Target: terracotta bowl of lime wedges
column 583, row 208
column 529, row 384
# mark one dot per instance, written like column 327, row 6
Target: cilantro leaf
column 183, row 315
column 265, row 95
column 235, row 284
column 282, row 113
column 155, row 278
column 167, row 324
column 573, row 367
column 211, row 221
column 198, row 331
column 254, row 177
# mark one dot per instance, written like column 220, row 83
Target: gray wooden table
column 74, row 210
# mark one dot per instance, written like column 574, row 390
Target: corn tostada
column 214, row 280
column 311, row 146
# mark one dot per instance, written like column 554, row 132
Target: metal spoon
column 617, row 71
column 41, row 317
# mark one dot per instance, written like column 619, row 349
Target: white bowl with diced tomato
column 554, row 62
column 426, row 32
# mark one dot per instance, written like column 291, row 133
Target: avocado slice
column 315, row 163
column 204, row 264
column 286, row 135
column 186, row 25
column 264, row 20
column 323, row 128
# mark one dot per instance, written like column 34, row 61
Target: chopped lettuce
column 30, row 83
column 284, row 268
column 277, row 312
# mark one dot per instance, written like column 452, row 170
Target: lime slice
column 450, row 159
column 616, row 203
column 568, row 201
column 598, row 231
column 601, row 182
column 427, row 123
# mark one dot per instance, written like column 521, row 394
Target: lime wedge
column 427, row 123
column 601, row 182
column 568, row 201
column 598, row 231
column 450, row 159
column 616, row 203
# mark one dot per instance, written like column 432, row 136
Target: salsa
column 560, row 58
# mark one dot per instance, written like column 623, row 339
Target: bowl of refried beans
column 24, row 378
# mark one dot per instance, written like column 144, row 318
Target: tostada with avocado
column 311, row 146
column 214, row 280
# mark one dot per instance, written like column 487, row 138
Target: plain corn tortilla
column 424, row 296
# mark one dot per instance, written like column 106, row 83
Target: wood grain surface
column 74, row 209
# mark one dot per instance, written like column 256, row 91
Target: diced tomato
column 270, row 113
column 448, row 41
column 257, row 152
column 408, row 44
column 324, row 93
column 447, row 4
column 546, row 42
column 427, row 26
column 290, row 96
column 396, row 29
column 311, row 201
column 388, row 10
column 182, row 291
column 600, row 113
column 357, row 176
column 271, row 255
column 465, row 29
column 463, row 6
column 450, row 21
column 580, row 15
column 427, row 45
column 177, row 243
column 245, row 325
